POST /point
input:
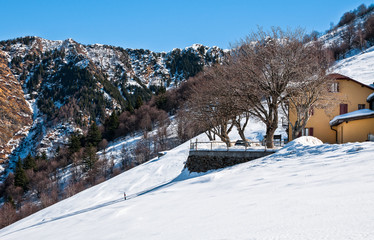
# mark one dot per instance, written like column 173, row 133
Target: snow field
column 307, row 190
column 358, row 67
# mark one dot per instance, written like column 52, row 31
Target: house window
column 334, row 87
column 343, row 108
column 361, row 106
column 308, row 132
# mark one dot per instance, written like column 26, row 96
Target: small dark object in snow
column 242, row 143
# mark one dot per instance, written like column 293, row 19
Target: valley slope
column 305, row 191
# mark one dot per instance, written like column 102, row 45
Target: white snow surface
column 358, row 67
column 370, row 97
column 357, row 113
column 305, row 141
column 307, row 190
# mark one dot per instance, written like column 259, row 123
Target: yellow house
column 350, row 116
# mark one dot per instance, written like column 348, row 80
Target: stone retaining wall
column 202, row 161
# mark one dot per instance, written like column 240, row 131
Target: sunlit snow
column 307, row 190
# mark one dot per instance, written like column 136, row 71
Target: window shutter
column 343, row 108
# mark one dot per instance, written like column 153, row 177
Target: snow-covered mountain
column 68, row 84
column 119, row 64
column 308, row 190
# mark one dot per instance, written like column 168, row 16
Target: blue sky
column 161, row 25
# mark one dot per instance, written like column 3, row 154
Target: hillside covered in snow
column 307, row 190
column 358, row 67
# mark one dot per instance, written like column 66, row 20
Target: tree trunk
column 226, row 139
column 271, row 124
column 295, row 133
column 296, row 129
column 300, row 125
column 241, row 134
column 240, row 128
column 211, row 135
column 224, row 136
column 269, row 137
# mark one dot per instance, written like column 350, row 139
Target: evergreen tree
column 20, row 178
column 75, row 143
column 162, row 101
column 139, row 102
column 44, row 155
column 111, row 125
column 130, row 108
column 89, row 157
column 29, row 162
column 93, row 135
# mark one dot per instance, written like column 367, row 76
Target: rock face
column 15, row 113
column 69, row 84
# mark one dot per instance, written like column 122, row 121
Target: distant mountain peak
column 69, row 82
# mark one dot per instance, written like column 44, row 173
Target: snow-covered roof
column 355, row 115
column 370, row 97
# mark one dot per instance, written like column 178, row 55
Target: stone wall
column 202, row 161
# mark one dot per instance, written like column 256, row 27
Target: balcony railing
column 233, row 146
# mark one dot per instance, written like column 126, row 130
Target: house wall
column 351, row 93
column 355, row 131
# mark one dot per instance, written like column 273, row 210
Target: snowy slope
column 358, row 67
column 307, row 190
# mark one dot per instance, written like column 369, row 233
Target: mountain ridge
column 74, row 84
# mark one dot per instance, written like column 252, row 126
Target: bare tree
column 349, row 35
column 102, row 145
column 309, row 90
column 8, row 215
column 125, row 157
column 212, row 104
column 73, row 188
column 187, row 128
column 241, row 122
column 161, row 136
column 143, row 151
column 369, row 29
column 49, row 197
column 359, row 40
column 27, row 209
column 303, row 99
column 267, row 65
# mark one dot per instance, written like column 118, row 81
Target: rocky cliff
column 15, row 113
